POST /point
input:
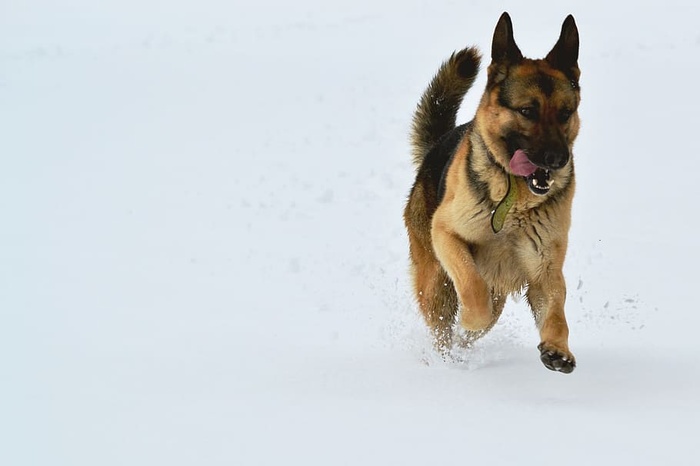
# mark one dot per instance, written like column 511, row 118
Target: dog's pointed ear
column 564, row 55
column 504, row 50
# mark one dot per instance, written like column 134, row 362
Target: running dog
column 489, row 213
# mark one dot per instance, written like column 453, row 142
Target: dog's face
column 529, row 111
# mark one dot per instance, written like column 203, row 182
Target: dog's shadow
column 605, row 378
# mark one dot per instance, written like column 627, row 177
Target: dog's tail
column 437, row 110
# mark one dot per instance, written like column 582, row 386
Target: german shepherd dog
column 489, row 213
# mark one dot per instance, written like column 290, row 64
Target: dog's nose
column 555, row 159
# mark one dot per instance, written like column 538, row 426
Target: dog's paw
column 476, row 321
column 476, row 312
column 556, row 360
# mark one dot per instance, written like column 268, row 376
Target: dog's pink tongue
column 520, row 165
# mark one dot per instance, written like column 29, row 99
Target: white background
column 203, row 262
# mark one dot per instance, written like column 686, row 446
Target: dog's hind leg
column 435, row 294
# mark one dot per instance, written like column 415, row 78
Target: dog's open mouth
column 538, row 179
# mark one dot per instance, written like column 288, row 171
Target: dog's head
column 528, row 115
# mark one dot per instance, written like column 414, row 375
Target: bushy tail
column 437, row 109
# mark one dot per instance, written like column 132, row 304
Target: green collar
column 498, row 216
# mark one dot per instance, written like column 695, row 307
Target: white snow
column 203, row 262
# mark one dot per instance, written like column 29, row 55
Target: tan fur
column 458, row 263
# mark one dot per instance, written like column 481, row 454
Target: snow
column 203, row 259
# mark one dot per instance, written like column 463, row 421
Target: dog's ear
column 504, row 50
column 564, row 55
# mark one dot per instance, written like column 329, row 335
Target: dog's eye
column 528, row 112
column 564, row 115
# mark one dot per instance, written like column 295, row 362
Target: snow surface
column 203, row 262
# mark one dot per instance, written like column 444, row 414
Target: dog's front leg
column 546, row 298
column 474, row 294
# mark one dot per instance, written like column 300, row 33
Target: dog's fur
column 462, row 270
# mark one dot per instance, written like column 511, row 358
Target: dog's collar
column 492, row 159
column 489, row 155
column 498, row 215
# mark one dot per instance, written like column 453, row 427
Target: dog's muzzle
column 538, row 178
column 539, row 182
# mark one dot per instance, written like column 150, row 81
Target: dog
column 489, row 212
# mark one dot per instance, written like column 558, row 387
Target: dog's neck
column 486, row 165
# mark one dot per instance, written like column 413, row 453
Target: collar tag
column 498, row 216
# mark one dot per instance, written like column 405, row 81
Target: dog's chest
column 509, row 259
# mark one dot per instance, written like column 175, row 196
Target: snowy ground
column 202, row 259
